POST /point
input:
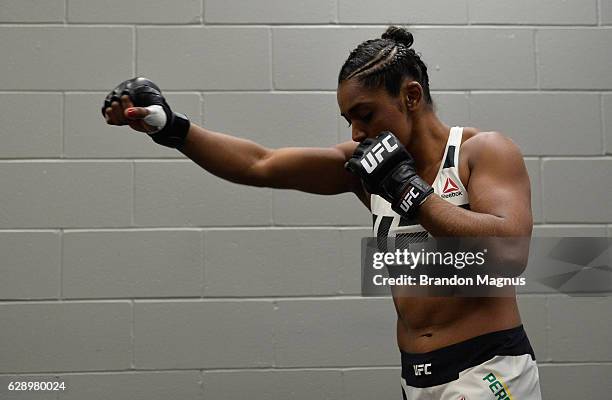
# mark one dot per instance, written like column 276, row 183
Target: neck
column 429, row 136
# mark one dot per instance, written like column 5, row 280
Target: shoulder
column 478, row 147
column 347, row 148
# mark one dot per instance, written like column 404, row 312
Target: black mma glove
column 144, row 93
column 387, row 169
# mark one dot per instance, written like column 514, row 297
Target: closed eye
column 366, row 118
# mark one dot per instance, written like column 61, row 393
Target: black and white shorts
column 499, row 365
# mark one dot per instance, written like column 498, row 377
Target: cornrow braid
column 383, row 58
column 387, row 61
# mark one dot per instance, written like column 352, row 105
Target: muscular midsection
column 429, row 323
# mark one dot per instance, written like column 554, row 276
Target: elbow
column 509, row 255
column 514, row 265
column 256, row 176
column 258, row 173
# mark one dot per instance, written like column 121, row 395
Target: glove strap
column 413, row 195
column 174, row 133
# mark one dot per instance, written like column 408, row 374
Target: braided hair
column 386, row 61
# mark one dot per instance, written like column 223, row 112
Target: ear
column 412, row 94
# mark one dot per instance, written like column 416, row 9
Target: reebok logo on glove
column 375, row 156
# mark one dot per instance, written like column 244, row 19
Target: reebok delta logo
column 450, row 186
column 375, row 156
column 450, row 189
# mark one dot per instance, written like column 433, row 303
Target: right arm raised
column 308, row 169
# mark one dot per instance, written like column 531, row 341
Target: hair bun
column 399, row 35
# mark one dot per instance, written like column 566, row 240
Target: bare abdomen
column 429, row 323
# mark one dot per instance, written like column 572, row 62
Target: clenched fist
column 139, row 103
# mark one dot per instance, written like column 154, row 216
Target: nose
column 358, row 135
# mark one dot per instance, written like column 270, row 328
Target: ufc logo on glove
column 375, row 156
column 408, row 199
column 388, row 170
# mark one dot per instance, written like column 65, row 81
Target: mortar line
column 602, row 112
column 133, row 335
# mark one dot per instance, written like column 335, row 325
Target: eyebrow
column 353, row 108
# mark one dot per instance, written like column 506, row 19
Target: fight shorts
column 498, row 366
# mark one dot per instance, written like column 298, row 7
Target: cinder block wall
column 129, row 273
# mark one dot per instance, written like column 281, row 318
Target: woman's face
column 371, row 111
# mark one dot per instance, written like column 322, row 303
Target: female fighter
column 428, row 178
